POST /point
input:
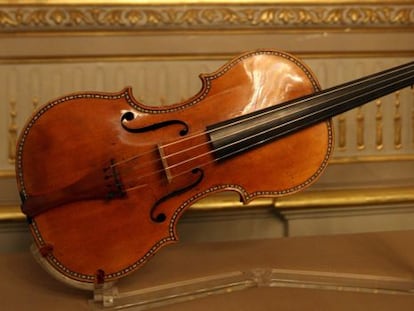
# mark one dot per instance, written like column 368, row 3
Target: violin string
column 294, row 102
column 257, row 134
column 227, row 155
column 278, row 108
column 207, row 142
column 249, row 137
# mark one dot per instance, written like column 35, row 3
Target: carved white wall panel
column 381, row 128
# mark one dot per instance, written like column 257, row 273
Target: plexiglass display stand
column 109, row 296
column 162, row 295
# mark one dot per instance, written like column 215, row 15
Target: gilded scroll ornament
column 199, row 17
column 397, row 122
column 12, row 139
column 342, row 132
column 360, row 120
column 379, row 145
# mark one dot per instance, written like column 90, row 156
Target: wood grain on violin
column 104, row 179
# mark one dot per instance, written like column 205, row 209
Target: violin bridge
column 165, row 166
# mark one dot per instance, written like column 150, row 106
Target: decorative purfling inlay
column 198, row 16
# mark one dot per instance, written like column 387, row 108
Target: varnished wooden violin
column 104, row 178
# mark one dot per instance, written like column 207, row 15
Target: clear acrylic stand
column 167, row 294
column 107, row 296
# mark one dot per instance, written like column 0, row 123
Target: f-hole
column 161, row 217
column 129, row 116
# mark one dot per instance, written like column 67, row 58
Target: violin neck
column 243, row 133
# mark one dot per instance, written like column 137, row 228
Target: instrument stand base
column 167, row 294
column 104, row 295
column 107, row 296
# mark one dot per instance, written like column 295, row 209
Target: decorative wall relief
column 381, row 129
column 141, row 16
column 397, row 122
column 379, row 132
column 360, row 125
column 341, row 134
column 12, row 133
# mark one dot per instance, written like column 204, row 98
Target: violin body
column 104, row 178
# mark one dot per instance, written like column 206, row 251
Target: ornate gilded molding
column 347, row 198
column 360, row 125
column 341, row 132
column 13, row 128
column 198, row 16
column 302, row 200
column 379, row 126
column 397, row 122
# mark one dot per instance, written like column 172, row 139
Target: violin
column 104, row 179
